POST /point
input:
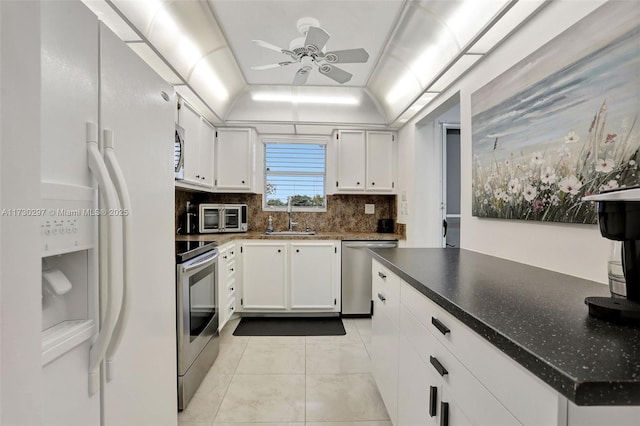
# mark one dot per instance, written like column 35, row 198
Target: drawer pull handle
column 382, row 298
column 381, row 275
column 433, row 400
column 439, row 367
column 232, row 288
column 231, row 269
column 440, row 326
column 444, row 414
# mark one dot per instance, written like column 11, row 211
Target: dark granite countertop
column 535, row 316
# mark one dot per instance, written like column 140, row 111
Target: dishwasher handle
column 371, row 245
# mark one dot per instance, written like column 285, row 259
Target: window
column 297, row 170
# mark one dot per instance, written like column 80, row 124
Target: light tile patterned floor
column 290, row 381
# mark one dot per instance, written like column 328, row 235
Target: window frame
column 310, row 140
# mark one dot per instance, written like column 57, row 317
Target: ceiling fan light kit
column 309, row 52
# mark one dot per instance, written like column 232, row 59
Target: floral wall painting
column 562, row 123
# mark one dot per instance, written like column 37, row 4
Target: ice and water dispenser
column 68, row 232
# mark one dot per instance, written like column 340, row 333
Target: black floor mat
column 254, row 326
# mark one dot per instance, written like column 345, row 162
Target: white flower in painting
column 478, row 194
column 612, row 184
column 548, row 176
column 537, row 158
column 505, row 197
column 571, row 137
column 570, row 185
column 555, row 200
column 487, row 188
column 485, row 202
column 632, row 163
column 507, row 162
column 604, row 166
column 514, row 186
column 529, row 193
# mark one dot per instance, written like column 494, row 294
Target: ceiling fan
column 309, row 51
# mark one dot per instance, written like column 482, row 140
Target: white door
column 351, row 161
column 380, row 161
column 234, row 159
column 313, row 276
column 450, row 185
column 264, row 276
column 143, row 391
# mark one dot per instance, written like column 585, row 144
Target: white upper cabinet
column 365, row 161
column 198, row 146
column 207, row 138
column 234, row 159
column 351, row 161
column 380, row 161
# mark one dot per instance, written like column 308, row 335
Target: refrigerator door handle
column 113, row 258
column 125, row 212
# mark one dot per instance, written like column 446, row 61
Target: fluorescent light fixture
column 188, row 52
column 453, row 73
column 408, row 83
column 471, row 16
column 206, row 81
column 305, row 99
column 514, row 17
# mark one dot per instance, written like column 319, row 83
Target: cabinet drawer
column 495, row 370
column 480, row 406
column 386, row 291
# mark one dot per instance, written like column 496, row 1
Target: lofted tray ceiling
column 416, row 50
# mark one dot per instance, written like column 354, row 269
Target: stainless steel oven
column 196, row 314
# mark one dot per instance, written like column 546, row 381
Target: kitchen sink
column 288, row 233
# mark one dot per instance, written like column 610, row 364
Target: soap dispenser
column 270, row 226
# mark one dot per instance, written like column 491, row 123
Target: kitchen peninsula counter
column 225, row 238
column 535, row 316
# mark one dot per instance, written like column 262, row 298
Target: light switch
column 369, row 208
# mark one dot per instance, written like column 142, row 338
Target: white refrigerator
column 108, row 268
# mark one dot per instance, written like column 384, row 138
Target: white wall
column 569, row 248
column 20, row 279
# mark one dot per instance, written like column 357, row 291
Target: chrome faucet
column 289, row 211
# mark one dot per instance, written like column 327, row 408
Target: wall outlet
column 369, row 208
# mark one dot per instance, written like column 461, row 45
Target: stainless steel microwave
column 217, row 218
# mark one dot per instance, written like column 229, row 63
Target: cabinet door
column 313, row 276
column 380, row 160
column 264, row 276
column 351, row 161
column 234, row 159
column 189, row 120
column 419, row 389
column 207, row 138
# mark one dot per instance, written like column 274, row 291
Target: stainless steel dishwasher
column 356, row 276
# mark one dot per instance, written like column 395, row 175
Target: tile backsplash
column 345, row 213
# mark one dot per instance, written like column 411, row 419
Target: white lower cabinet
column 290, row 276
column 433, row 370
column 314, row 271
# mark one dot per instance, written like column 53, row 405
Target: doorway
column 450, row 204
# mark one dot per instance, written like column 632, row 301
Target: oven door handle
column 209, row 257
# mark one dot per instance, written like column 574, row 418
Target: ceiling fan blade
column 267, row 67
column 316, row 37
column 335, row 73
column 301, row 76
column 263, row 43
column 349, row 56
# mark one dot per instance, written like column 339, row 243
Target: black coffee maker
column 619, row 220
